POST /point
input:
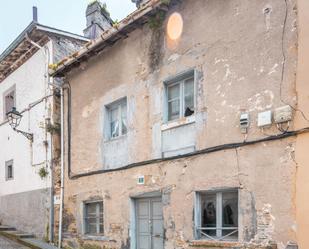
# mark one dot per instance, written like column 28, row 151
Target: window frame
column 179, row 80
column 109, row 108
column 86, row 217
column 219, row 222
column 8, row 164
column 5, row 94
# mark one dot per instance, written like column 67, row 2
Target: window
column 216, row 215
column 117, row 118
column 9, row 171
column 94, row 218
column 9, row 101
column 180, row 97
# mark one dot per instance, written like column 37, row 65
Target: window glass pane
column 10, row 172
column 101, row 228
column 173, row 92
column 101, row 207
column 91, row 208
column 9, row 101
column 115, row 129
column 189, row 86
column 114, row 114
column 189, row 97
column 94, row 217
column 173, row 110
column 124, row 118
column 92, row 228
column 230, row 209
column 208, row 212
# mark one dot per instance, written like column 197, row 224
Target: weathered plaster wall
column 26, row 211
column 259, row 177
column 31, row 87
column 237, row 49
column 27, row 190
column 302, row 143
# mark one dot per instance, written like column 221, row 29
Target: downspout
column 51, row 209
column 62, row 171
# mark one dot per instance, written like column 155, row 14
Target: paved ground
column 8, row 244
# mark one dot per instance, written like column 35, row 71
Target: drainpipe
column 62, row 171
column 48, row 57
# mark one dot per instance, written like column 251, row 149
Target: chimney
column 34, row 14
column 98, row 20
column 139, row 3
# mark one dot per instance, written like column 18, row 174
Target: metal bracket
column 29, row 136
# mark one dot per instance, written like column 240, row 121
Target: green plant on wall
column 156, row 21
column 102, row 5
column 53, row 128
column 167, row 2
column 43, row 173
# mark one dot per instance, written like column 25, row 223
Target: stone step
column 7, row 228
column 40, row 244
column 25, row 235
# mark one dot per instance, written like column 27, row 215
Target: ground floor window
column 93, row 218
column 216, row 215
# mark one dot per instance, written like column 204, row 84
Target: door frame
column 133, row 217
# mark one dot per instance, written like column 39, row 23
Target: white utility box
column 264, row 119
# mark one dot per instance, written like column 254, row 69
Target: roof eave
column 18, row 40
column 93, row 45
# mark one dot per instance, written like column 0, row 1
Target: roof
column 112, row 35
column 22, row 49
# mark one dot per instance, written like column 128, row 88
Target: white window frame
column 175, row 80
column 109, row 108
column 98, row 217
column 8, row 164
column 219, row 227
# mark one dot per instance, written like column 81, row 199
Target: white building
column 25, row 191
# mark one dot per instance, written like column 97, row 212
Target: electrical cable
column 284, row 64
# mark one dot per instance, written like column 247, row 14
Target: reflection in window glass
column 219, row 215
column 118, row 118
column 94, row 218
column 180, row 98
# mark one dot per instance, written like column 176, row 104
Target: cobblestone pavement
column 8, row 244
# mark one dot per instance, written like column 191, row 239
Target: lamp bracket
column 29, row 136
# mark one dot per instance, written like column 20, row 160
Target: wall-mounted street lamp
column 14, row 118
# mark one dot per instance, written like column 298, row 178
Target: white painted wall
column 31, row 86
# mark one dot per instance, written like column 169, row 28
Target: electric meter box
column 283, row 114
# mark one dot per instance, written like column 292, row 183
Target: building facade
column 180, row 129
column 27, row 164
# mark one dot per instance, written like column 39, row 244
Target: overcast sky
column 68, row 15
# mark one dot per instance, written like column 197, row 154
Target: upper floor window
column 217, row 215
column 93, row 218
column 9, row 172
column 117, row 115
column 9, row 101
column 180, row 97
